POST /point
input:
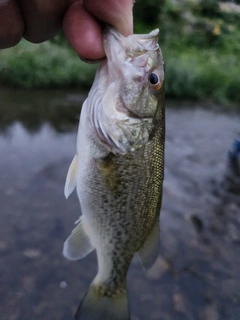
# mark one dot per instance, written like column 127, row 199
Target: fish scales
column 118, row 170
column 119, row 214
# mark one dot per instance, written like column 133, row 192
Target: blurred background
column 42, row 88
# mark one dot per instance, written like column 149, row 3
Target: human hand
column 82, row 22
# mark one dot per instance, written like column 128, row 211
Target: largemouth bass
column 118, row 170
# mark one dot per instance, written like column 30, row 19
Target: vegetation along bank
column 200, row 41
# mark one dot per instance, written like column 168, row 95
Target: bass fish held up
column 118, row 170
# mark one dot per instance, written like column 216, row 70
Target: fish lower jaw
column 126, row 111
column 136, row 116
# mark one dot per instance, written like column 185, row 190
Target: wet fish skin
column 118, row 170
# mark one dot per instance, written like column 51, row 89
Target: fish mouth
column 133, row 56
column 112, row 31
column 133, row 45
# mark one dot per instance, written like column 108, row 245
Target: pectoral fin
column 71, row 179
column 148, row 253
column 78, row 244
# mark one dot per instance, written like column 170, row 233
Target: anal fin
column 78, row 244
column 148, row 253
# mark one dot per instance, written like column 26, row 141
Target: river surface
column 196, row 275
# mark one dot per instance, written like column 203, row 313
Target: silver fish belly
column 118, row 170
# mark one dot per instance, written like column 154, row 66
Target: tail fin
column 97, row 307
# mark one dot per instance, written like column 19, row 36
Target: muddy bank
column 197, row 273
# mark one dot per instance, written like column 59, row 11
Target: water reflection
column 197, row 273
column 32, row 108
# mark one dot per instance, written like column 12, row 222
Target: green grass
column 206, row 75
column 201, row 47
column 200, row 44
column 43, row 65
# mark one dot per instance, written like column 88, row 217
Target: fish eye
column 155, row 81
column 153, row 78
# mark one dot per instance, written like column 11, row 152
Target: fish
column 118, row 170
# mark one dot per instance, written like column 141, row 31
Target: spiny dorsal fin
column 78, row 244
column 148, row 253
column 71, row 179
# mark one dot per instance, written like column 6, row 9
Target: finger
column 83, row 32
column 11, row 23
column 43, row 18
column 118, row 13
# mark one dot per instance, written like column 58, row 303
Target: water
column 197, row 273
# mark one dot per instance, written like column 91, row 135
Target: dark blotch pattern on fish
column 125, row 221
